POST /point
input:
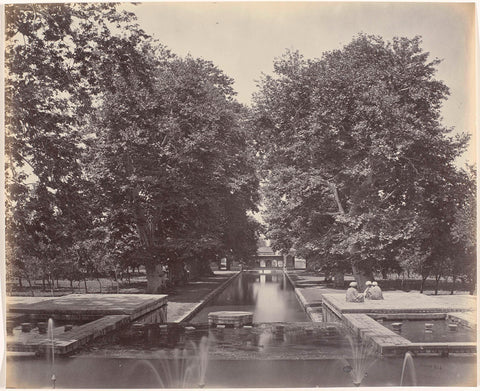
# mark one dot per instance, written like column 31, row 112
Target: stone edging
column 189, row 315
column 313, row 315
column 388, row 343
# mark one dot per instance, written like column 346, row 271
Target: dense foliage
column 119, row 152
column 356, row 163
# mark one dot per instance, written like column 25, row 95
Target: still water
column 270, row 297
column 415, row 331
column 134, row 373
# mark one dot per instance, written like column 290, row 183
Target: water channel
column 270, row 297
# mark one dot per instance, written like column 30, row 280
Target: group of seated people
column 372, row 292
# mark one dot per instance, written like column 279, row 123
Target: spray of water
column 180, row 368
column 203, row 360
column 408, row 364
column 52, row 344
column 362, row 358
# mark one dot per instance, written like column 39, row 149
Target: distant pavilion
column 269, row 259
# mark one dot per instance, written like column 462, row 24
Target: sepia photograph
column 239, row 195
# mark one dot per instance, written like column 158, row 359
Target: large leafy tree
column 356, row 162
column 171, row 162
column 49, row 52
column 119, row 152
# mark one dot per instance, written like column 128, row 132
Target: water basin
column 437, row 330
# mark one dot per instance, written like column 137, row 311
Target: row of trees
column 118, row 151
column 358, row 170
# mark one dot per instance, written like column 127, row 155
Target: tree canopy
column 356, row 163
column 113, row 140
column 119, row 152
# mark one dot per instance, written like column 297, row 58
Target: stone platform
column 85, row 306
column 359, row 318
column 230, row 318
column 400, row 302
column 101, row 314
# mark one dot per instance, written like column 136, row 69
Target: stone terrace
column 402, row 302
column 105, row 313
column 355, row 316
column 93, row 305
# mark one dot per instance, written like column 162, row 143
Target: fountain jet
column 52, row 344
column 408, row 363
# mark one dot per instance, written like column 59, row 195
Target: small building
column 269, row 259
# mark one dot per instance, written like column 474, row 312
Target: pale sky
column 243, row 38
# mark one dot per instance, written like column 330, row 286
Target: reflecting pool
column 270, row 297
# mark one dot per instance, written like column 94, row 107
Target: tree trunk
column 384, row 274
column 176, row 274
column 31, row 287
column 155, row 278
column 361, row 276
column 422, row 284
column 454, row 278
column 204, row 269
column 51, row 284
column 20, row 282
column 437, row 280
column 85, row 283
column 339, row 279
column 100, row 284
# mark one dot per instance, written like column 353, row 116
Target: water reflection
column 269, row 296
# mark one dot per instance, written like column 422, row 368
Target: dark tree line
column 359, row 172
column 119, row 153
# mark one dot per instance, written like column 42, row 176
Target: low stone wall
column 385, row 341
column 157, row 316
column 312, row 310
column 330, row 313
column 196, row 309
